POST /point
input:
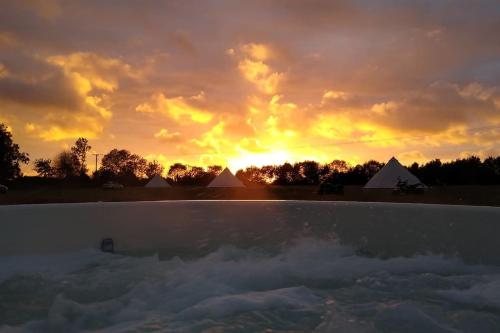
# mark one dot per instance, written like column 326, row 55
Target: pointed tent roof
column 226, row 179
column 388, row 176
column 157, row 181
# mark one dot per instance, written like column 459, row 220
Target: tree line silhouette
column 122, row 166
column 465, row 171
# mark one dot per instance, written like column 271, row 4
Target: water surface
column 307, row 285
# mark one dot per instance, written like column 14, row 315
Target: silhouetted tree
column 123, row 166
column 196, row 176
column 177, row 171
column 10, row 156
column 308, row 172
column 153, row 169
column 214, row 169
column 371, row 168
column 492, row 170
column 43, row 167
column 66, row 165
column 466, row 171
column 80, row 150
column 334, row 172
column 430, row 173
column 284, row 174
column 268, row 173
column 251, row 175
column 338, row 166
column 414, row 168
column 192, row 175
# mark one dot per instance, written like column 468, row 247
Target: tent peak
column 390, row 174
column 226, row 179
column 157, row 181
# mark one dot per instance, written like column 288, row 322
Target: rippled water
column 313, row 285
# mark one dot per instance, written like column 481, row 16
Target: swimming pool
column 243, row 266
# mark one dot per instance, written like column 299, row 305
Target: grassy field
column 459, row 195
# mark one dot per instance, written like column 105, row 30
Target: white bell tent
column 226, row 179
column 156, row 182
column 390, row 174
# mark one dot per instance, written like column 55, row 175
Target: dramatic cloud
column 243, row 83
column 179, row 108
column 62, row 96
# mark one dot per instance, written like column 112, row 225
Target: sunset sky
column 253, row 82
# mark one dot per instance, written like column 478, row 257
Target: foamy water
column 313, row 285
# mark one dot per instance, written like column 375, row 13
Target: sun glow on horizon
column 258, row 159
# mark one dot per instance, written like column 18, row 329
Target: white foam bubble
column 480, row 295
column 311, row 285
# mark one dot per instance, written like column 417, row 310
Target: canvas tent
column 390, row 174
column 226, row 179
column 157, row 181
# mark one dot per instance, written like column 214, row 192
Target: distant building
column 156, row 182
column 226, row 179
column 390, row 174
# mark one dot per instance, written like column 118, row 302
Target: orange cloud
column 257, row 51
column 408, row 157
column 93, row 72
column 261, row 75
column 254, row 70
column 70, row 94
column 178, row 108
column 165, row 136
column 213, row 139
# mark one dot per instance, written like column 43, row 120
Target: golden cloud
column 91, row 71
column 257, row 51
column 50, row 129
column 384, row 108
column 166, row 136
column 179, row 108
column 332, row 94
column 254, row 70
column 260, row 74
column 213, row 139
column 408, row 157
column 332, row 126
column 68, row 98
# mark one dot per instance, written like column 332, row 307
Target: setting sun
column 258, row 159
